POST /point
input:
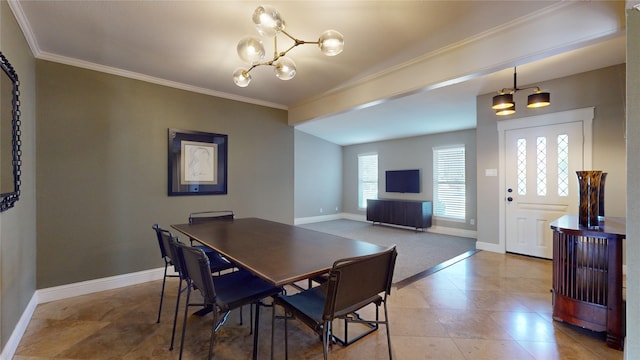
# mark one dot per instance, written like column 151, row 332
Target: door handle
column 509, row 199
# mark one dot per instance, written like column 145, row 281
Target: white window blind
column 449, row 187
column 367, row 178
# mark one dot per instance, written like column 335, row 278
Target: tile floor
column 488, row 306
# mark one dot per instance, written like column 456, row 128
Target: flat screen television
column 403, row 181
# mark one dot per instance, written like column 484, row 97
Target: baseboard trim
column 489, row 247
column 453, row 231
column 11, row 346
column 91, row 286
column 314, row 219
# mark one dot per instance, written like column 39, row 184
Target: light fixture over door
column 504, row 104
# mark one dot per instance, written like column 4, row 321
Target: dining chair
column 352, row 284
column 224, row 293
column 171, row 243
column 216, row 260
column 164, row 252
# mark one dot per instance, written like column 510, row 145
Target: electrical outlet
column 472, row 221
column 320, row 210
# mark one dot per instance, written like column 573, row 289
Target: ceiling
column 192, row 45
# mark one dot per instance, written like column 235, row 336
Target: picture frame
column 197, row 163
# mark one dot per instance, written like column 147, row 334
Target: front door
column 541, row 184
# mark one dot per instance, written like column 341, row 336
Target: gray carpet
column 417, row 251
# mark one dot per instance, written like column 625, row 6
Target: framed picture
column 197, row 163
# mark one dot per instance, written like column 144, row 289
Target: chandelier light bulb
column 241, row 77
column 331, row 42
column 251, row 50
column 285, row 68
column 268, row 20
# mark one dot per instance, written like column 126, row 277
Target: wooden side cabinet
column 413, row 213
column 587, row 276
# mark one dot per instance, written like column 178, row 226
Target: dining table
column 279, row 253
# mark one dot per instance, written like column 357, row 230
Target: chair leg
column 326, row 339
column 213, row 333
column 175, row 315
column 286, row 336
column 184, row 321
column 273, row 327
column 257, row 331
column 386, row 323
column 164, row 280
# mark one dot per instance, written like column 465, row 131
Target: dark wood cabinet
column 413, row 213
column 587, row 276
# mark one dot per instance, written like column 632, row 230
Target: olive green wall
column 17, row 225
column 102, row 168
column 318, row 177
column 603, row 89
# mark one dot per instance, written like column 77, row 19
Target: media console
column 413, row 213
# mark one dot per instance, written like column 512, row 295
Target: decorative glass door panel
column 539, row 186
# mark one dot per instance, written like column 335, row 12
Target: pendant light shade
column 331, row 43
column 251, row 50
column 503, row 101
column 538, row 99
column 285, row 68
column 268, row 20
column 241, row 77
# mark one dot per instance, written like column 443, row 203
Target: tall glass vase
column 603, row 177
column 589, row 182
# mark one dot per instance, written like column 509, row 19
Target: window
column 449, row 188
column 367, row 178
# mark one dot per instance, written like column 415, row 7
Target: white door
column 541, row 183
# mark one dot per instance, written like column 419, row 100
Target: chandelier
column 269, row 23
column 503, row 103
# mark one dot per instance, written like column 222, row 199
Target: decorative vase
column 601, row 195
column 589, row 182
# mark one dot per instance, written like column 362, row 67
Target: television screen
column 403, row 181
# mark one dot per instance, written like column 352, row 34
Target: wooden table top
column 611, row 226
column 279, row 253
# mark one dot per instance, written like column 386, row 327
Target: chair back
column 202, row 216
column 357, row 281
column 171, row 243
column 196, row 265
column 159, row 231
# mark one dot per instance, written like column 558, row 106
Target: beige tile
column 565, row 350
column 495, row 300
column 409, row 297
column 472, row 325
column 423, row 348
column 527, row 326
column 480, row 349
column 489, row 306
column 415, row 322
column 49, row 338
